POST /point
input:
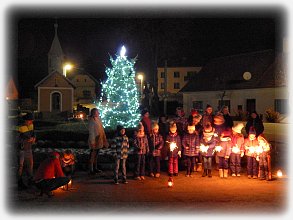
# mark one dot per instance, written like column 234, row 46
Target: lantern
column 218, row 148
column 279, row 173
column 204, row 148
column 170, row 182
column 172, row 146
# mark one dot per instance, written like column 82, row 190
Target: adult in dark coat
column 227, row 117
column 208, row 116
column 254, row 121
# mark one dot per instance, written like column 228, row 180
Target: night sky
column 187, row 37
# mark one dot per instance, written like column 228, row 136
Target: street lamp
column 66, row 67
column 140, row 77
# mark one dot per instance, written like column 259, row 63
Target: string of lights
column 119, row 102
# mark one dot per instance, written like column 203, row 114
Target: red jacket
column 147, row 124
column 49, row 169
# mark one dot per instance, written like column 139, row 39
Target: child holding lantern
column 156, row 143
column 141, row 148
column 264, row 158
column 190, row 143
column 174, row 149
column 207, row 145
column 237, row 151
column 224, row 151
column 250, row 144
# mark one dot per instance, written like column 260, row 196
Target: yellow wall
column 171, row 80
column 83, row 82
column 44, row 99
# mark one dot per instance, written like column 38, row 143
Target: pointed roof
column 56, row 46
column 52, row 74
column 226, row 73
column 75, row 73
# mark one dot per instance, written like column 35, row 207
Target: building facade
column 59, row 92
column 177, row 78
column 85, row 88
column 55, row 95
column 246, row 82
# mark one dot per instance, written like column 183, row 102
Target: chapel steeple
column 55, row 55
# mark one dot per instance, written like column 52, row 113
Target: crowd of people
column 202, row 142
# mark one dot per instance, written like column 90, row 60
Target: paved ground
column 196, row 195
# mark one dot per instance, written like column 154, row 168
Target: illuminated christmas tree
column 119, row 103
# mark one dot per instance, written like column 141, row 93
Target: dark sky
column 183, row 38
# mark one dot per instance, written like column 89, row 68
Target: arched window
column 56, row 101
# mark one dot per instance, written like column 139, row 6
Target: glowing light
column 81, row 116
column 173, row 145
column 203, row 148
column 66, row 67
column 218, row 148
column 259, row 149
column 122, row 51
column 170, row 182
column 279, row 173
column 140, row 76
column 251, row 149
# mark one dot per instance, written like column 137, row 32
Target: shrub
column 272, row 116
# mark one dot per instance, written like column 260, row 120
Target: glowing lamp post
column 140, row 77
column 65, row 68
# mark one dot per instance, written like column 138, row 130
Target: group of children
column 196, row 144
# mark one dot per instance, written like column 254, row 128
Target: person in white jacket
column 97, row 139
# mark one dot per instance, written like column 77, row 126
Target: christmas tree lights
column 119, row 102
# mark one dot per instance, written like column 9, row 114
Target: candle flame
column 203, row 148
column 173, row 145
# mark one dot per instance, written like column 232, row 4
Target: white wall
column 264, row 98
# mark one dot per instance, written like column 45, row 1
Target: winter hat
column 28, row 116
column 155, row 125
column 219, row 119
column 252, row 130
column 226, row 133
column 120, row 127
column 208, row 130
column 238, row 127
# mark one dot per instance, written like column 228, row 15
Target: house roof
column 226, row 73
column 50, row 75
column 72, row 75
